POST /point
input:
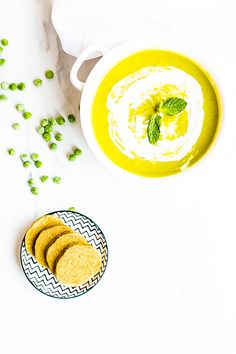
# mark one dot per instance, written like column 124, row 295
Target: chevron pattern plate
column 44, row 281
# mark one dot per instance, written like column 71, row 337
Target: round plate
column 44, row 281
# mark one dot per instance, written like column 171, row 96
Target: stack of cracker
column 65, row 252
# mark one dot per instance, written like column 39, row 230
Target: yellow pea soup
column 211, row 108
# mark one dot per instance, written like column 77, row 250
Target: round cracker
column 78, row 264
column 59, row 246
column 43, row 223
column 46, row 238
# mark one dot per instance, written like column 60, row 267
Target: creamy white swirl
column 133, row 99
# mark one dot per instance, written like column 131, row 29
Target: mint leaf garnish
column 173, row 106
column 153, row 129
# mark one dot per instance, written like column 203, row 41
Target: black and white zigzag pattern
column 43, row 280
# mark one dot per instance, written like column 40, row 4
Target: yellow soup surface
column 131, row 92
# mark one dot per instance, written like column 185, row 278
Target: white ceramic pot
column 109, row 58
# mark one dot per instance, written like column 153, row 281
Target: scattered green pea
column 40, row 130
column 26, row 164
column 71, row 118
column 56, row 180
column 77, row 152
column 4, row 85
column 16, row 126
column 72, row 157
column 49, row 74
column 1, row 49
column 44, row 122
column 13, row 86
column 34, row 157
column 47, row 136
column 11, row 152
column 48, row 128
column 3, row 97
column 72, row 209
column 53, row 146
column 27, row 115
column 21, row 86
column 20, row 107
column 4, row 42
column 37, row 82
column 44, row 178
column 60, row 120
column 52, row 121
column 34, row 190
column 2, row 61
column 58, row 136
column 31, row 182
column 24, row 157
column 38, row 164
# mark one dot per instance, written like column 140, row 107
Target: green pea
column 34, row 157
column 48, row 128
column 4, row 42
column 11, row 152
column 31, row 182
column 4, row 85
column 34, row 190
column 21, row 86
column 38, row 164
column 24, row 157
column 13, row 86
column 26, row 164
column 40, row 130
column 44, row 178
column 1, row 49
column 71, row 118
column 3, row 97
column 49, row 74
column 2, row 61
column 60, row 120
column 77, row 152
column 44, row 122
column 59, row 137
column 56, row 180
column 27, row 115
column 37, row 82
column 72, row 209
column 16, row 126
column 72, row 157
column 20, row 107
column 47, row 136
column 52, row 121
column 53, row 146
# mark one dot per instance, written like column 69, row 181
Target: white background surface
column 170, row 285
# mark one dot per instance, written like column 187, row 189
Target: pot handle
column 91, row 51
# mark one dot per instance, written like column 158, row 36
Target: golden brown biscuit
column 41, row 224
column 57, row 248
column 78, row 264
column 46, row 238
